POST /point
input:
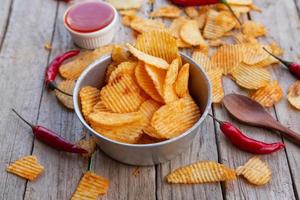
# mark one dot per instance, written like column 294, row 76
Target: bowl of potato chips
column 144, row 106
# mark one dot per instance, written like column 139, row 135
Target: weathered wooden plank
column 282, row 21
column 22, row 56
column 5, row 11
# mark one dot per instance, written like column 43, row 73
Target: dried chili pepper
column 53, row 67
column 203, row 3
column 293, row 67
column 243, row 142
column 51, row 138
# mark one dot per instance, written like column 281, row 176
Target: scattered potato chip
column 203, row 60
column 191, row 34
column 215, row 77
column 111, row 67
column 48, row 46
column 176, row 25
column 240, row 2
column 255, row 171
column 254, row 53
column 119, row 54
column 169, row 93
column 142, row 25
column 90, row 187
column 294, row 95
column 157, row 76
column 67, row 86
column 166, row 11
column 151, row 60
column 123, row 68
column 237, row 9
column 159, row 44
column 89, row 96
column 253, row 29
column 126, row 4
column 114, row 119
column 266, row 62
column 182, row 44
column 275, row 49
column 88, row 144
column 127, row 19
column 201, row 172
column 251, row 77
column 176, row 117
column 72, row 70
column 100, row 107
column 26, row 167
column 122, row 95
column 182, row 81
column 129, row 12
column 191, row 11
column 146, row 83
column 244, row 39
column 268, row 95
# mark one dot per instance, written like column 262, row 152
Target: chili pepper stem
column 90, row 163
column 29, row 124
column 282, row 61
column 219, row 121
column 232, row 12
column 52, row 86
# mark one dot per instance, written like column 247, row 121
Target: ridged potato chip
column 215, row 77
column 90, row 187
column 169, row 93
column 72, row 70
column 129, row 12
column 275, row 49
column 111, row 67
column 68, row 87
column 251, row 77
column 294, row 95
column 240, row 2
column 176, row 25
column 266, row 62
column 215, row 43
column 126, row 4
column 146, row 83
column 26, row 167
column 191, row 34
column 255, row 171
column 114, row 119
column 166, row 11
column 203, row 60
column 238, row 9
column 268, row 95
column 127, row 19
column 122, row 95
column 176, row 117
column 158, row 77
column 201, row 172
column 148, row 59
column 119, row 54
column 253, row 29
column 159, row 44
column 89, row 96
column 191, row 11
column 123, row 68
column 182, row 81
column 100, row 107
column 142, row 25
column 254, row 53
column 244, row 39
column 88, row 144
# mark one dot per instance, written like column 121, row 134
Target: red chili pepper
column 204, row 2
column 243, row 142
column 51, row 138
column 53, row 67
column 293, row 67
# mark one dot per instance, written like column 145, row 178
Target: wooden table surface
column 24, row 28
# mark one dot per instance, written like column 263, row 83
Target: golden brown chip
column 251, row 77
column 72, row 70
column 266, row 62
column 48, row 46
column 244, row 39
column 166, row 11
column 126, row 4
column 169, row 93
column 268, row 95
column 203, row 60
column 294, row 95
column 157, row 76
column 275, row 49
column 255, row 171
column 191, row 11
column 146, row 83
column 176, row 117
column 253, row 29
column 119, row 54
column 240, row 2
column 191, row 34
column 254, row 53
column 90, row 187
column 215, row 77
column 100, row 107
column 159, row 44
column 215, row 43
column 127, row 19
column 142, row 25
column 182, row 81
column 148, row 59
column 122, row 95
column 201, row 172
column 238, row 9
column 26, row 167
column 114, row 119
column 176, row 25
column 201, row 18
column 88, row 144
column 68, row 87
column 89, row 96
column 129, row 12
column 111, row 67
column 123, row 68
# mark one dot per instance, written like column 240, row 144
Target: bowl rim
column 189, row 131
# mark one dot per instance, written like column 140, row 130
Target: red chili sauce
column 89, row 17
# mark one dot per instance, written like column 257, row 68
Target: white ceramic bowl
column 95, row 39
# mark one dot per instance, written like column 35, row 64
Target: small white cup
column 94, row 39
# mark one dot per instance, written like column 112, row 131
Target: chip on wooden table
column 90, row 187
column 201, row 172
column 126, row 4
column 159, row 44
column 88, row 144
column 294, row 95
column 191, row 34
column 268, row 95
column 127, row 19
column 126, row 67
column 240, row 2
column 89, row 96
column 240, row 38
column 114, row 119
column 255, row 171
column 251, row 77
column 238, row 9
column 254, row 29
column 275, row 49
column 146, row 83
column 169, row 93
column 176, row 117
column 148, row 59
column 182, row 81
column 128, row 12
column 215, row 77
column 254, row 53
column 142, row 25
column 119, row 54
column 176, row 25
column 26, row 167
column 122, row 95
column 157, row 76
column 72, row 70
column 203, row 60
column 169, row 11
column 68, row 87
